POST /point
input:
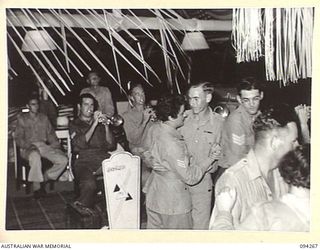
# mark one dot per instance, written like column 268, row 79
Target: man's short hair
column 249, row 83
column 133, row 85
column 274, row 117
column 294, row 167
column 93, row 72
column 87, row 95
column 169, row 105
column 33, row 97
column 206, row 87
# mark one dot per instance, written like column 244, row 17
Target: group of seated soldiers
column 249, row 163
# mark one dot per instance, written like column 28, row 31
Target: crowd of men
column 199, row 170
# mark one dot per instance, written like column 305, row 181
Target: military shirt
column 200, row 136
column 90, row 153
column 251, row 187
column 167, row 192
column 237, row 137
column 134, row 127
column 35, row 129
column 289, row 213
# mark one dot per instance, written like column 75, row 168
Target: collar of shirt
column 194, row 118
column 36, row 118
column 85, row 123
column 253, row 166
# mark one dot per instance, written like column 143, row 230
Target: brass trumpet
column 222, row 110
column 116, row 120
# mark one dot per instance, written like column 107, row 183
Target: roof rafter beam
column 49, row 20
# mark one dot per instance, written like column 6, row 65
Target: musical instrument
column 222, row 110
column 116, row 120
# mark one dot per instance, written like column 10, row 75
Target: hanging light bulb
column 194, row 41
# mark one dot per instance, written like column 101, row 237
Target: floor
column 52, row 212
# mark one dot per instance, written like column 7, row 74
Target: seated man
column 91, row 139
column 36, row 138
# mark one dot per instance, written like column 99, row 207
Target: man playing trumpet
column 92, row 140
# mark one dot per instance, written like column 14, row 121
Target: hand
column 148, row 113
column 303, row 112
column 96, row 115
column 226, row 199
column 215, row 152
column 101, row 118
column 159, row 168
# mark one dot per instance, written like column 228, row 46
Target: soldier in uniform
column 92, row 140
column 36, row 138
column 256, row 177
column 201, row 132
column 168, row 199
column 237, row 133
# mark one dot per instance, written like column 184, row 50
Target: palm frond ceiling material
column 74, row 31
column 124, row 41
column 286, row 35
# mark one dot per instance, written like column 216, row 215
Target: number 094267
column 309, row 246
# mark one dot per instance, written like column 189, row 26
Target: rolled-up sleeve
column 225, row 181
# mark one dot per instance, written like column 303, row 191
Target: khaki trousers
column 56, row 156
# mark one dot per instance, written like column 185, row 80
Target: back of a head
column 294, row 167
column 249, row 83
column 274, row 117
column 169, row 105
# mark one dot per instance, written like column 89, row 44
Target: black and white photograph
column 157, row 119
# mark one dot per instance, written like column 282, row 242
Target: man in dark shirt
column 91, row 140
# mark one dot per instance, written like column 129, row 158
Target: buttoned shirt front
column 167, row 192
column 250, row 185
column 200, row 136
column 35, row 129
column 237, row 137
column 90, row 152
column 134, row 127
